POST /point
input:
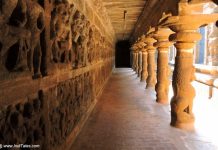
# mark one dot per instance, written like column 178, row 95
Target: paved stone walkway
column 128, row 118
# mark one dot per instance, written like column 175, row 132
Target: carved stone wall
column 55, row 59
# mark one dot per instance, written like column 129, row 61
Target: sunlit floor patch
column 206, row 112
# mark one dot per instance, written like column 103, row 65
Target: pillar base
column 162, row 101
column 138, row 75
column 143, row 80
column 186, row 126
column 150, row 86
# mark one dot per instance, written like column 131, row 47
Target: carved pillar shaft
column 163, row 44
column 183, row 75
column 136, row 63
column 131, row 59
column 182, row 101
column 162, row 86
column 151, row 79
column 139, row 63
column 144, row 72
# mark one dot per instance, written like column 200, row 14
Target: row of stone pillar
column 145, row 65
column 180, row 30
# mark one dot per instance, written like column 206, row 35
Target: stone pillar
column 133, row 50
column 163, row 70
column 133, row 59
column 144, row 73
column 134, row 53
column 139, row 63
column 183, row 75
column 136, row 62
column 185, row 26
column 151, row 79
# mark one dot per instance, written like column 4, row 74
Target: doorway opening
column 122, row 54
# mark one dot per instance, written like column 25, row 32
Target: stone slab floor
column 128, row 118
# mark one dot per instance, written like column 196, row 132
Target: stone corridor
column 127, row 117
column 58, row 60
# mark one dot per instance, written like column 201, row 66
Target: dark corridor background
column 122, row 54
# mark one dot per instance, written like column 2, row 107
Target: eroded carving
column 33, row 32
column 13, row 35
column 184, row 92
column 35, row 24
column 61, row 35
column 24, row 123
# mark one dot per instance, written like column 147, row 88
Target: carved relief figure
column 23, row 123
column 13, row 35
column 80, row 28
column 36, row 24
column 76, row 28
column 90, row 46
column 61, row 32
column 85, row 40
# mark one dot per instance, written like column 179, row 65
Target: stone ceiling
column 140, row 15
column 151, row 14
column 115, row 8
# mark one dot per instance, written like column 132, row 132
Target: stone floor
column 128, row 118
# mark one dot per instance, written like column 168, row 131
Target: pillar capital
column 144, row 50
column 185, row 25
column 134, row 47
column 141, row 43
column 150, row 43
column 162, row 36
column 149, row 40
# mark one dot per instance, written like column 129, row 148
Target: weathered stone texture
column 185, row 37
column 24, row 122
column 144, row 73
column 163, row 71
column 54, row 63
column 139, row 63
column 151, row 79
column 184, row 92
